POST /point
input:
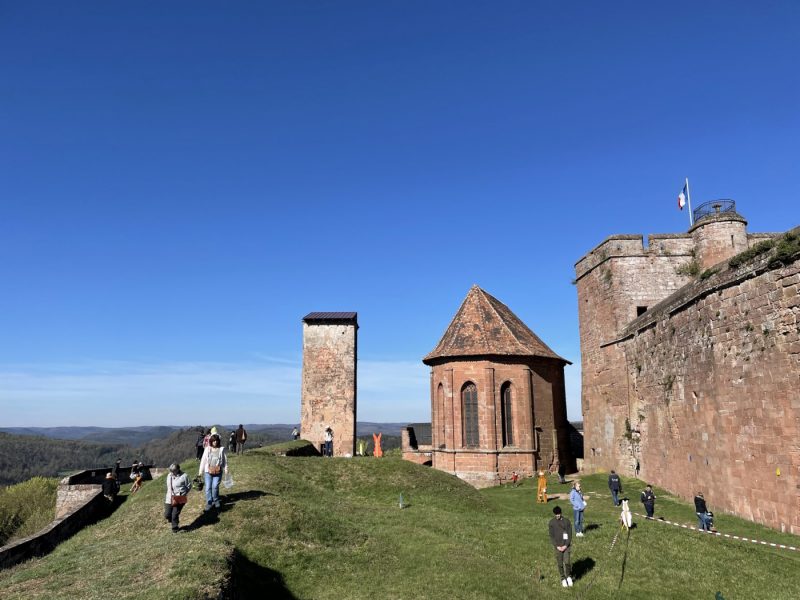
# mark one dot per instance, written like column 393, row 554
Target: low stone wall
column 79, row 502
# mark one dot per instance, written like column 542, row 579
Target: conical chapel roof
column 485, row 326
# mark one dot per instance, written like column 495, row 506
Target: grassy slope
column 26, row 508
column 321, row 528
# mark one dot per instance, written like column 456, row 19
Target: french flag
column 682, row 196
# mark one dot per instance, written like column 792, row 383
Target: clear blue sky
column 182, row 181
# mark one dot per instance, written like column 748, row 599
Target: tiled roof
column 484, row 326
column 331, row 316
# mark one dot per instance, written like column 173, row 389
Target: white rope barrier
column 718, row 534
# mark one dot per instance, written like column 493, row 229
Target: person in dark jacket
column 702, row 512
column 200, row 443
column 561, row 537
column 110, row 487
column 615, row 485
column 649, row 500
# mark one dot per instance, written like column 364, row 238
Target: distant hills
column 27, row 452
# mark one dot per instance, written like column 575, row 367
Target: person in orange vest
column 541, row 488
column 376, row 438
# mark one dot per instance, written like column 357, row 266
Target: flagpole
column 689, row 202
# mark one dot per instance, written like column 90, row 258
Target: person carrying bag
column 177, row 494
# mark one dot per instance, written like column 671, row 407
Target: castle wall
column 711, row 390
column 718, row 237
column 328, row 394
column 614, row 280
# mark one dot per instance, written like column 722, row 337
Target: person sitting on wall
column 110, row 487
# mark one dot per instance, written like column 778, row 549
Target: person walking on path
column 213, row 464
column 177, row 491
column 578, row 506
column 702, row 512
column 649, row 501
column 295, row 434
column 328, row 442
column 232, row 442
column 615, row 485
column 200, row 444
column 561, row 538
column 241, row 438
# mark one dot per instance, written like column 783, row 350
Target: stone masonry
column 488, row 347
column 328, row 394
column 696, row 378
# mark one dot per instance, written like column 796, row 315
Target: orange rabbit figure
column 376, row 438
column 541, row 488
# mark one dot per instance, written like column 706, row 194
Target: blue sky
column 183, row 181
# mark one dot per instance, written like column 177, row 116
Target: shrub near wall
column 26, row 507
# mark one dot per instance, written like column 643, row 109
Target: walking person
column 177, row 493
column 199, row 444
column 241, row 438
column 295, row 433
column 232, row 442
column 649, row 500
column 701, row 510
column 328, row 442
column 213, row 464
column 615, row 485
column 561, row 538
column 578, row 506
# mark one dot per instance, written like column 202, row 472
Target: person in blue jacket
column 578, row 506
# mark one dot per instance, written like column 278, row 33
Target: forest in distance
column 56, row 451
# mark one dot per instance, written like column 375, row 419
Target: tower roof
column 485, row 326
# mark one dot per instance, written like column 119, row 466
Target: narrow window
column 732, row 244
column 441, row 415
column 469, row 415
column 505, row 410
column 640, row 310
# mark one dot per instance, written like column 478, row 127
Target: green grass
column 332, row 528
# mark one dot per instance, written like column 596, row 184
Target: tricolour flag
column 682, row 197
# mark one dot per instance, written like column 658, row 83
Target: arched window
column 505, row 415
column 441, row 416
column 469, row 415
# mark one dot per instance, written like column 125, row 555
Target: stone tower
column 719, row 233
column 328, row 395
column 497, row 396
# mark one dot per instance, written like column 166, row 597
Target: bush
column 27, row 507
column 751, row 253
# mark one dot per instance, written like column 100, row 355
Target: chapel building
column 497, row 397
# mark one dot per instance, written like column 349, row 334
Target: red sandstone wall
column 715, row 391
column 328, row 394
column 539, row 424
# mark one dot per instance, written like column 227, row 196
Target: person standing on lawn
column 615, row 485
column 561, row 538
column 241, row 438
column 649, row 501
column 578, row 506
column 701, row 510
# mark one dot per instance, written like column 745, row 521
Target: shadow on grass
column 210, row 517
column 592, row 527
column 581, row 567
column 251, row 580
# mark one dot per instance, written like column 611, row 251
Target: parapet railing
column 714, row 207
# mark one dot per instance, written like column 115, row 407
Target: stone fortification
column 701, row 388
column 328, row 395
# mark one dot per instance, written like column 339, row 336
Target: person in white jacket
column 213, row 464
column 177, row 490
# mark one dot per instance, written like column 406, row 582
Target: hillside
column 322, row 528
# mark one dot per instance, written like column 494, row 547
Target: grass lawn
column 295, row 527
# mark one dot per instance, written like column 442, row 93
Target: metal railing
column 714, row 207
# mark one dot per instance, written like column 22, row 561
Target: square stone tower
column 328, row 395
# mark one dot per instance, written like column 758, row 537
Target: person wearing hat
column 701, row 510
column 110, row 487
column 177, row 492
column 213, row 464
column 561, row 537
